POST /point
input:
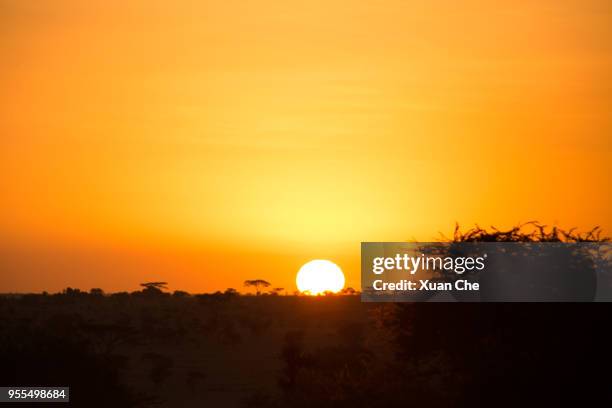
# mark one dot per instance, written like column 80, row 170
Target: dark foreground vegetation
column 152, row 348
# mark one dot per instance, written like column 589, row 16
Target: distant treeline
column 155, row 289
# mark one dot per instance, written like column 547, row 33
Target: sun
column 319, row 276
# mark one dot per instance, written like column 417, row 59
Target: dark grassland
column 189, row 351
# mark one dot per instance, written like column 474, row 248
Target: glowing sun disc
column 319, row 276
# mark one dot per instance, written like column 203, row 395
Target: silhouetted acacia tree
column 257, row 283
column 154, row 288
column 504, row 354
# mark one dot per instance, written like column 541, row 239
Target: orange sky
column 205, row 143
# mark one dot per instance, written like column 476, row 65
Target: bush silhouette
column 257, row 283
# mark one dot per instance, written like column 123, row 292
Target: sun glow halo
column 319, row 276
